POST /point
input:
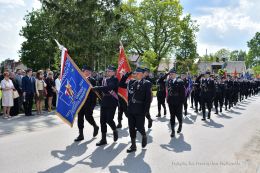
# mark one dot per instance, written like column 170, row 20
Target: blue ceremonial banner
column 73, row 92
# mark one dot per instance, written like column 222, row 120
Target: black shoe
column 196, row 111
column 203, row 119
column 209, row 115
column 179, row 129
column 132, row 147
column 95, row 133
column 79, row 138
column 159, row 115
column 216, row 112
column 103, row 140
column 173, row 134
column 144, row 141
column 185, row 113
column 150, row 123
column 119, row 126
column 115, row 133
column 191, row 106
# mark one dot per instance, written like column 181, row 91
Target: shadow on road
column 73, row 150
column 102, row 156
column 132, row 164
column 177, row 145
column 213, row 124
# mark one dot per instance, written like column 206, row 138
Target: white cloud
column 228, row 26
column 36, row 4
column 12, row 2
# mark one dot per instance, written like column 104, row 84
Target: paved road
column 229, row 142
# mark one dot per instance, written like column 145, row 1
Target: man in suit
column 139, row 98
column 18, row 78
column 88, row 107
column 28, row 88
column 109, row 103
column 175, row 99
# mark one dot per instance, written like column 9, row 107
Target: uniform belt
column 137, row 101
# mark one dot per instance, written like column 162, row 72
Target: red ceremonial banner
column 123, row 67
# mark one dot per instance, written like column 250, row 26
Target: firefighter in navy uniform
column 207, row 95
column 175, row 99
column 229, row 92
column 147, row 77
column 109, row 103
column 122, row 109
column 235, row 90
column 186, row 85
column 161, row 94
column 220, row 92
column 88, row 107
column 139, row 102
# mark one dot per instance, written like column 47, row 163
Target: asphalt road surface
column 229, row 142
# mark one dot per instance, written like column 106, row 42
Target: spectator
column 15, row 109
column 50, row 89
column 7, row 95
column 40, row 87
column 18, row 78
column 28, row 85
column 57, row 86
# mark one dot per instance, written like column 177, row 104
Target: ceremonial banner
column 73, row 92
column 123, row 67
column 235, row 72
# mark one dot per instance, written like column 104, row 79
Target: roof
column 239, row 66
column 133, row 58
column 166, row 64
column 231, row 66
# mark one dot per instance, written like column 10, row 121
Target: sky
column 223, row 23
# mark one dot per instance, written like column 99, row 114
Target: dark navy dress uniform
column 122, row 109
column 139, row 101
column 219, row 97
column 207, row 96
column 175, row 100
column 228, row 94
column 109, row 103
column 161, row 94
column 87, row 112
column 148, row 115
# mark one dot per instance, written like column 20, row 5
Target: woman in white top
column 40, row 87
column 7, row 95
column 57, row 86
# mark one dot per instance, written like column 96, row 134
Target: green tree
column 38, row 51
column 187, row 47
column 237, row 55
column 153, row 25
column 91, row 31
column 256, row 70
column 254, row 50
column 186, row 65
column 222, row 54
